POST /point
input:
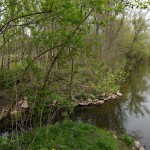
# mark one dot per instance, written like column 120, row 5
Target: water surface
column 130, row 113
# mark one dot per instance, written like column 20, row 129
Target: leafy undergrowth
column 65, row 136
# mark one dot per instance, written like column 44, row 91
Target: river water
column 130, row 113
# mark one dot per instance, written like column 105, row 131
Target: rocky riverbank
column 22, row 106
column 101, row 99
column 138, row 146
column 13, row 115
column 18, row 108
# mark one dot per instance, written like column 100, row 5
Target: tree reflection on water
column 139, row 91
column 115, row 115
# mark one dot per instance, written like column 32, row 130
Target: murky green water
column 130, row 113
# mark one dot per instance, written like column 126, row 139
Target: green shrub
column 127, row 140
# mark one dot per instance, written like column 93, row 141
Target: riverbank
column 22, row 106
column 68, row 135
column 100, row 99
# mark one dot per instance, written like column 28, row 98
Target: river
column 130, row 113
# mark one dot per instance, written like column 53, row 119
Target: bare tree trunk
column 50, row 68
column 71, row 76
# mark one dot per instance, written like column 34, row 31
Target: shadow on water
column 112, row 118
column 130, row 113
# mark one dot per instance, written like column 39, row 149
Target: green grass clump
column 127, row 140
column 65, row 136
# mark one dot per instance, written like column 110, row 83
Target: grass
column 65, row 136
